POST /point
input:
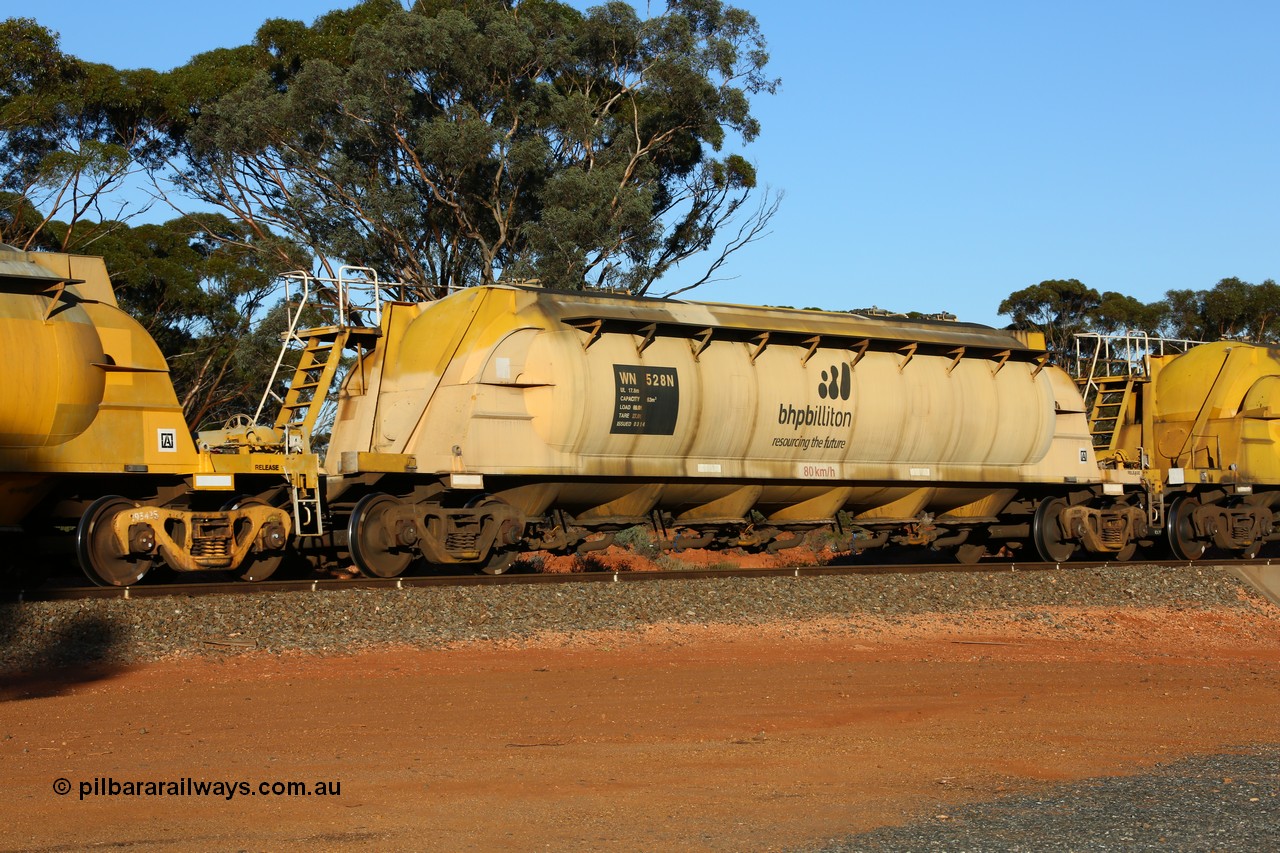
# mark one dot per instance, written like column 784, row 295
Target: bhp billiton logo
column 835, row 387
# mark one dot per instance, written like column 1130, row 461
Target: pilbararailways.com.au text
column 107, row 786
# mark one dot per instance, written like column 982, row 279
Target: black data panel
column 646, row 400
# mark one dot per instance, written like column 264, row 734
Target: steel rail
column 71, row 593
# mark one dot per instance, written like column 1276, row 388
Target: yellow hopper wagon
column 507, row 418
column 95, row 456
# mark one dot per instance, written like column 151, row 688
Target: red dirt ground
column 675, row 738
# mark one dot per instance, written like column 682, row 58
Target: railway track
column 1262, row 574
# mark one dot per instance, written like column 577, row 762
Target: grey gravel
column 1221, row 803
column 39, row 635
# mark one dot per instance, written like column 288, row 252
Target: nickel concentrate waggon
column 94, row 453
column 505, row 419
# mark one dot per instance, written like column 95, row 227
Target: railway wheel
column 373, row 545
column 257, row 565
column 499, row 562
column 96, row 549
column 1051, row 544
column 1255, row 549
column 1180, row 532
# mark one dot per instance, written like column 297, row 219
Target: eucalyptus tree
column 450, row 144
column 71, row 133
column 1232, row 308
column 455, row 143
column 1118, row 312
column 1060, row 308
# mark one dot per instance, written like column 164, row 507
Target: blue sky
column 941, row 155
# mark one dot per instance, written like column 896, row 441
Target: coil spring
column 1112, row 533
column 210, row 546
column 460, row 541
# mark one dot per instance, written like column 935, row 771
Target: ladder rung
column 1108, row 395
column 315, row 370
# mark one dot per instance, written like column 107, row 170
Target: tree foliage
column 71, row 133
column 457, row 142
column 1232, row 309
column 1060, row 308
column 449, row 144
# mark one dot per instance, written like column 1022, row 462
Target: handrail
column 351, row 280
column 370, row 282
column 289, row 336
column 1133, row 349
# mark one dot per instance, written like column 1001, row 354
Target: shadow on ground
column 37, row 661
